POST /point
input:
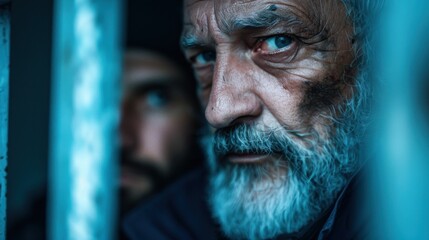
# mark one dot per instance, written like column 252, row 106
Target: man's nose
column 232, row 97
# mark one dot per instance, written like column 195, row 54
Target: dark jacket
column 181, row 212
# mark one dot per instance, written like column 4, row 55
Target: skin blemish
column 320, row 95
column 273, row 8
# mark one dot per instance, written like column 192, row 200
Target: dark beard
column 140, row 167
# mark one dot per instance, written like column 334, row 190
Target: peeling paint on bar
column 4, row 104
column 85, row 114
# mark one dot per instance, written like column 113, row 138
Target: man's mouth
column 245, row 158
column 129, row 176
column 134, row 171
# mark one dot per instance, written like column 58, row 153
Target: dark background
column 147, row 24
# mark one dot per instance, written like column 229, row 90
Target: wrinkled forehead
column 203, row 17
column 224, row 12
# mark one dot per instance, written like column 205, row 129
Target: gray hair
column 258, row 202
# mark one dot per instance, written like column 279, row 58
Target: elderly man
column 284, row 88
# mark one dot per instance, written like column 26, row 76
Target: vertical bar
column 4, row 104
column 86, row 71
column 402, row 162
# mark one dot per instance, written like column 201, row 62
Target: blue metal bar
column 86, row 74
column 4, row 104
column 402, row 161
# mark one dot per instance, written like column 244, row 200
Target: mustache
column 142, row 166
column 247, row 139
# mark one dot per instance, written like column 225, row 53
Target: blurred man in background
column 159, row 124
column 160, row 119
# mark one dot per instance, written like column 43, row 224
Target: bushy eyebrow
column 189, row 40
column 263, row 19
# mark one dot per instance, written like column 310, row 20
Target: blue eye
column 204, row 58
column 276, row 43
column 157, row 98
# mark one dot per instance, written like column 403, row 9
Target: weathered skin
column 293, row 87
column 278, row 67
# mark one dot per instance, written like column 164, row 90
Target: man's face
column 272, row 77
column 157, row 124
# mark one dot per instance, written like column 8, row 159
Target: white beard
column 262, row 201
